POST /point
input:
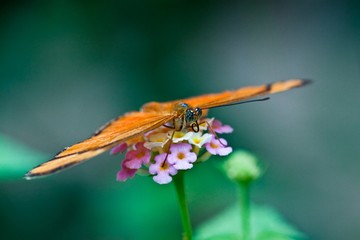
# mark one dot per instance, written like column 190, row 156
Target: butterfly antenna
column 237, row 103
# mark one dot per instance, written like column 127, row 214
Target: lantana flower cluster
column 163, row 152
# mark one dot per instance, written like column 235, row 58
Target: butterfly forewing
column 119, row 130
column 230, row 97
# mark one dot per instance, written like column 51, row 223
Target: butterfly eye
column 189, row 115
column 198, row 112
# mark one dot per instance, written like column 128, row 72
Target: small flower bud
column 242, row 167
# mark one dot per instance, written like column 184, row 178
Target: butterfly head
column 189, row 116
column 193, row 114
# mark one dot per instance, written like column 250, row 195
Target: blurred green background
column 67, row 67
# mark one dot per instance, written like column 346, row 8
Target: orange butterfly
column 178, row 114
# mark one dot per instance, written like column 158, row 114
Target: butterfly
column 178, row 114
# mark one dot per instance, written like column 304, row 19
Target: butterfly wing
column 116, row 131
column 230, row 97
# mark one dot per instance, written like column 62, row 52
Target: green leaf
column 16, row 159
column 266, row 224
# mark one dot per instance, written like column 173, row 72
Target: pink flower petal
column 162, row 178
column 119, row 148
column 219, row 128
column 133, row 163
column 224, row 151
column 124, row 174
column 218, row 147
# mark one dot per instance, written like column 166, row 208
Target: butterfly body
column 179, row 114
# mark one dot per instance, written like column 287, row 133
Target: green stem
column 184, row 210
column 245, row 209
column 205, row 156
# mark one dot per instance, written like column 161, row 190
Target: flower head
column 242, row 167
column 163, row 152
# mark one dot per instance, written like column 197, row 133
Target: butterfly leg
column 214, row 133
column 175, row 125
column 168, row 145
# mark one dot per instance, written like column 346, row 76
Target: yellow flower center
column 181, row 155
column 140, row 154
column 178, row 134
column 164, row 166
column 214, row 145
